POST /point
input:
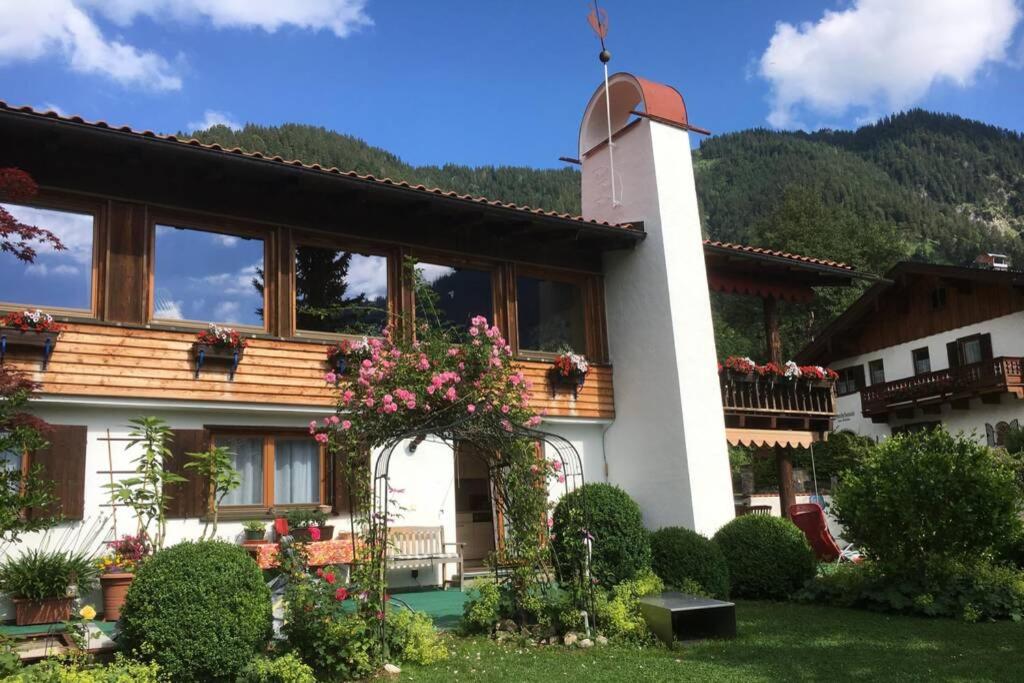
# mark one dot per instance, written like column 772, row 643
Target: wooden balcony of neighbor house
column 987, row 379
column 762, row 404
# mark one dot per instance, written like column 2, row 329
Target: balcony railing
column 991, row 376
column 779, row 404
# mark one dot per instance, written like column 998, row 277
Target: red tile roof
column 778, row 254
column 315, row 167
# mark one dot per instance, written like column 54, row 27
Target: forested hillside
column 915, row 185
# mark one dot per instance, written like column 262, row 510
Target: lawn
column 777, row 642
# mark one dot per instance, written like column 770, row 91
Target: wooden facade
column 118, row 361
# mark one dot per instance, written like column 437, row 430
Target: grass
column 777, row 642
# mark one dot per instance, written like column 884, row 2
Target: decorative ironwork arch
column 462, row 430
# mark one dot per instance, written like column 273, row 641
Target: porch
column 988, row 380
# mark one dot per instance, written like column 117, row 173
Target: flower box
column 49, row 611
column 569, row 371
column 219, row 345
column 302, row 534
column 29, row 330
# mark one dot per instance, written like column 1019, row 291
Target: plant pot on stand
column 115, row 589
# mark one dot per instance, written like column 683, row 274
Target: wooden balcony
column 954, row 385
column 760, row 404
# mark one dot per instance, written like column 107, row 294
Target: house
column 930, row 344
column 167, row 235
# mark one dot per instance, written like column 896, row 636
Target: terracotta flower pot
column 50, row 611
column 115, row 588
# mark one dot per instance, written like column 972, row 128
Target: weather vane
column 598, row 19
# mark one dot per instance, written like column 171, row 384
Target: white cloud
column 227, row 311
column 882, row 54
column 167, row 308
column 368, row 275
column 215, row 118
column 226, row 240
column 36, row 29
column 50, row 106
column 341, row 17
column 40, row 28
column 432, row 272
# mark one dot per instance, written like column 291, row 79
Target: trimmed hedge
column 200, row 610
column 621, row 545
column 679, row 555
column 768, row 557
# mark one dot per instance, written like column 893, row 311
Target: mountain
column 915, row 185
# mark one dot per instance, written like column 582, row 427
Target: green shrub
column 1012, row 551
column 767, row 557
column 683, row 558
column 200, row 610
column 285, row 669
column 41, row 574
column 929, row 498
column 120, row 671
column 621, row 546
column 337, row 642
column 618, row 612
column 977, row 591
column 413, row 638
column 481, row 611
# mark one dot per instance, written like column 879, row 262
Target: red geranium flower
column 341, row 594
column 329, row 577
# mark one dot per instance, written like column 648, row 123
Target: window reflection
column 550, row 315
column 54, row 279
column 455, row 295
column 340, row 291
column 208, row 276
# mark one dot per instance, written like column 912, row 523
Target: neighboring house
column 166, row 235
column 932, row 344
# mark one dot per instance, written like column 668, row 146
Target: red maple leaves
column 17, row 238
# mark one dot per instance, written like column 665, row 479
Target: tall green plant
column 146, row 492
column 214, row 465
column 21, row 433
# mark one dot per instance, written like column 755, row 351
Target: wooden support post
column 773, row 340
column 787, row 493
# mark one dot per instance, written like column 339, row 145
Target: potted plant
column 308, row 524
column 117, row 571
column 346, row 355
column 255, row 531
column 44, row 583
column 218, row 343
column 570, row 369
column 33, row 329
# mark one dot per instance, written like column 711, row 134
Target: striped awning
column 766, row 438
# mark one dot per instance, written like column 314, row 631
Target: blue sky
column 505, row 83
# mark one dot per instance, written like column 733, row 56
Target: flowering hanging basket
column 219, row 344
column 346, row 356
column 569, row 371
column 30, row 330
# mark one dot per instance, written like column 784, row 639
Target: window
column 922, row 361
column 275, row 469
column 340, row 291
column 851, row 380
column 971, row 349
column 55, row 279
column 208, row 276
column 11, row 462
column 877, row 371
column 456, row 294
column 550, row 315
column 967, row 350
column 938, row 298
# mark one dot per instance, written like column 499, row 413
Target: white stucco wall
column 425, row 479
column 667, row 446
column 1007, row 340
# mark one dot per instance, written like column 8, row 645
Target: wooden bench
column 416, row 546
column 678, row 616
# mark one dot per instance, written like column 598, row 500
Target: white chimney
column 667, row 446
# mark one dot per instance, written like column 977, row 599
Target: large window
column 208, row 277
column 922, row 361
column 54, row 279
column 851, row 380
column 275, row 469
column 340, row 291
column 550, row 315
column 455, row 294
column 876, row 368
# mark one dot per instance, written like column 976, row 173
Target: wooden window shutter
column 187, row 499
column 63, row 461
column 986, row 346
column 953, row 354
column 338, row 488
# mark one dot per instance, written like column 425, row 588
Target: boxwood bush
column 929, row 498
column 767, row 557
column 680, row 555
column 621, row 545
column 200, row 610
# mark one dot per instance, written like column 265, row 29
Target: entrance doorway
column 474, row 511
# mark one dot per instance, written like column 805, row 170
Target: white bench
column 416, row 546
